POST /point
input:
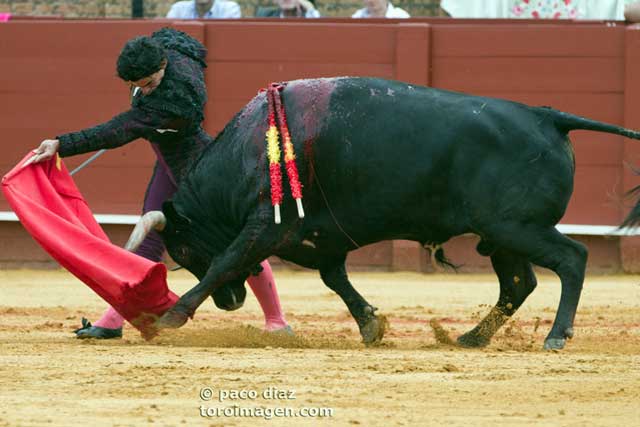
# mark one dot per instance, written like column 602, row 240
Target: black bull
column 384, row 160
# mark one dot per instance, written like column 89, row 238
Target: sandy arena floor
column 47, row 377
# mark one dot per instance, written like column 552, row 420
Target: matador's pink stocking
column 111, row 319
column 264, row 288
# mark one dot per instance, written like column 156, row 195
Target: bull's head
column 177, row 234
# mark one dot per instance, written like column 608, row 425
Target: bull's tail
column 633, row 218
column 567, row 122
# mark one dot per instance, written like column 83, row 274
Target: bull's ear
column 173, row 216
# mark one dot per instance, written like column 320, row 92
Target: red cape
column 52, row 210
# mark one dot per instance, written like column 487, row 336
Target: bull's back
column 403, row 159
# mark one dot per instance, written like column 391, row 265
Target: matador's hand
column 47, row 149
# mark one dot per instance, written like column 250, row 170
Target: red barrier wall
column 58, row 76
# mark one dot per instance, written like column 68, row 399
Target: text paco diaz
column 270, row 393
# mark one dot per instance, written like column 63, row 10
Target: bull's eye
column 181, row 255
column 183, row 251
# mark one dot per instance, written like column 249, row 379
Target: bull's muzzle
column 153, row 220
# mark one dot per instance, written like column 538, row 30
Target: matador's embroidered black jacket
column 170, row 117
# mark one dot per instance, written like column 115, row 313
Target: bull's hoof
column 373, row 329
column 557, row 343
column 554, row 343
column 172, row 319
column 472, row 340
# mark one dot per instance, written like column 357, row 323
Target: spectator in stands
column 632, row 11
column 204, row 9
column 380, row 9
column 289, row 9
column 540, row 9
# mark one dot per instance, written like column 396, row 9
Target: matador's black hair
column 140, row 57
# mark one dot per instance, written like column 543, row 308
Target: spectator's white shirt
column 219, row 10
column 312, row 13
column 392, row 12
column 545, row 9
column 476, row 8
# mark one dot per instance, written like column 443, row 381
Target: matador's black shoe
column 96, row 332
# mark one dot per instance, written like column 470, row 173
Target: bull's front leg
column 372, row 328
column 243, row 253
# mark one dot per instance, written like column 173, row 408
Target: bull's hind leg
column 548, row 248
column 334, row 275
column 517, row 281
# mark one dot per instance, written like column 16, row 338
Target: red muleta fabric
column 52, row 210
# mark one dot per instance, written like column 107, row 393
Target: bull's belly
column 338, row 232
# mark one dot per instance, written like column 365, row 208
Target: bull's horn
column 153, row 220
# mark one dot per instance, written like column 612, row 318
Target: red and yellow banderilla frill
column 276, row 111
column 273, row 153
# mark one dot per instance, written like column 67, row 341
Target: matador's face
column 148, row 84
